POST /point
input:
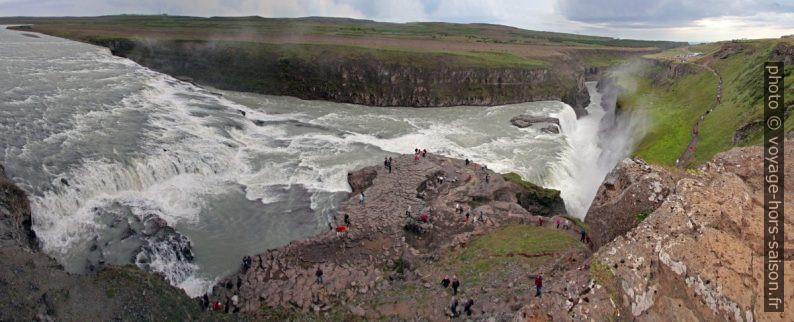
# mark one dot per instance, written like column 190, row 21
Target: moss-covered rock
column 536, row 199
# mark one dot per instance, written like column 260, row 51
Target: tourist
column 467, row 307
column 385, row 162
column 205, row 302
column 424, row 153
column 319, row 275
column 361, row 198
column 583, row 233
column 416, row 157
column 538, row 284
column 347, row 220
column 453, row 308
column 235, row 303
column 487, row 177
column 408, row 211
column 424, row 217
column 340, row 231
column 587, row 240
column 540, row 221
column 216, row 306
column 467, row 218
column 457, row 208
column 467, row 162
column 246, row 263
column 558, row 222
column 455, row 285
column 445, row 281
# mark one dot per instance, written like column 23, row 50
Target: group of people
column 232, row 304
column 419, row 152
column 453, row 308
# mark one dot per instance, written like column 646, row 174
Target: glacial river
column 100, row 142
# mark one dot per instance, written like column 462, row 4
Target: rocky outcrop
column 357, row 79
column 536, row 199
column 36, row 288
column 699, row 256
column 386, row 236
column 361, row 180
column 15, row 215
column 784, row 53
column 729, row 49
column 526, row 120
column 631, row 191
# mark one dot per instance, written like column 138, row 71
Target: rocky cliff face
column 36, row 288
column 699, row 255
column 631, row 191
column 15, row 216
column 366, row 81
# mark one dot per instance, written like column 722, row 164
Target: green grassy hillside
column 674, row 91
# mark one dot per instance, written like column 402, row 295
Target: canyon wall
column 357, row 79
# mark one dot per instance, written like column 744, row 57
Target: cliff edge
column 36, row 288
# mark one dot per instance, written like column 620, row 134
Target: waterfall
column 595, row 143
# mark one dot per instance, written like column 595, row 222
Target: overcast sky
column 684, row 20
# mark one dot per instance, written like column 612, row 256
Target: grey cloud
column 662, row 13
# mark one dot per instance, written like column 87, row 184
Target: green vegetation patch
column 157, row 297
column 671, row 110
column 516, row 246
column 742, row 100
column 602, row 275
column 404, row 57
column 532, row 188
column 642, row 216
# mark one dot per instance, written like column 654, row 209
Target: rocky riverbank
column 387, row 241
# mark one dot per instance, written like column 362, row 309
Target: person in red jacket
column 538, row 284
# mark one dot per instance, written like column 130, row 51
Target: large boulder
column 526, row 120
column 631, row 191
column 362, row 179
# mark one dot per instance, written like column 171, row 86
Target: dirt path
column 687, row 155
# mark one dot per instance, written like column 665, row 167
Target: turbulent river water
column 103, row 146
